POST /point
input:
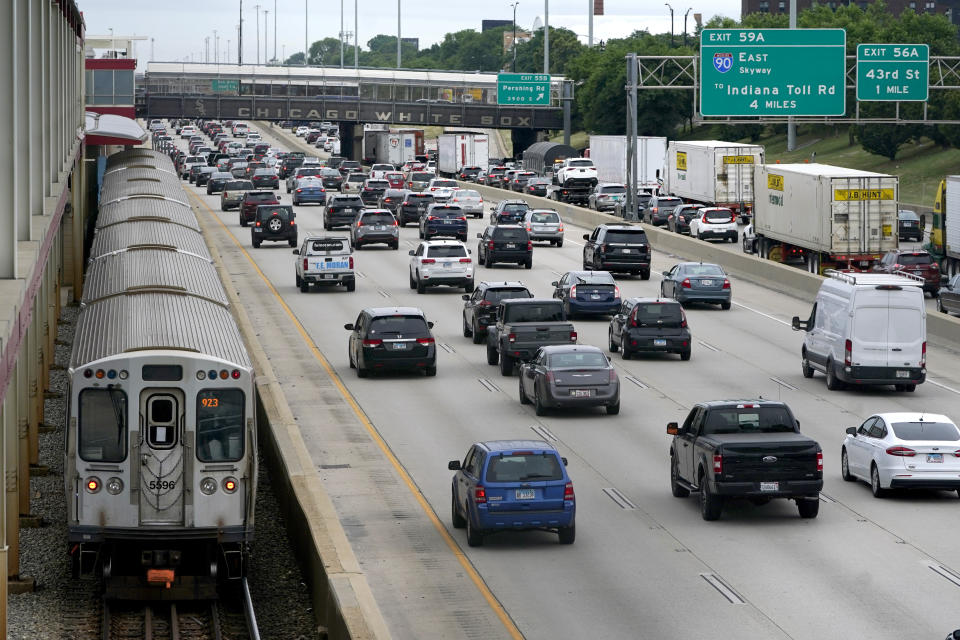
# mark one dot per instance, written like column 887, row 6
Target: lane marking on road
column 723, row 588
column 495, row 605
column 543, row 432
column 949, row 574
column 359, row 274
column 619, row 499
column 636, row 381
column 383, row 293
column 488, row 384
column 707, row 345
column 765, row 315
column 785, row 385
column 447, row 348
column 827, row 498
column 942, row 386
column 556, row 273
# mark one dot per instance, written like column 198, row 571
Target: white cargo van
column 867, row 329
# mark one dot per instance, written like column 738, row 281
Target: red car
column 394, row 179
column 918, row 263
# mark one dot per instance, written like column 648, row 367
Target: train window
column 162, row 421
column 103, row 425
column 162, row 372
column 220, row 425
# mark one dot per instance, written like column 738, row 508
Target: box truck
column 609, row 155
column 395, row 146
column 462, row 149
column 823, row 217
column 714, row 173
column 945, row 231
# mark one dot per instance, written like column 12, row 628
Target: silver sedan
column 569, row 376
column 469, row 200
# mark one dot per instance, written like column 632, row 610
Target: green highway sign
column 772, row 72
column 219, row 85
column 523, row 89
column 893, row 72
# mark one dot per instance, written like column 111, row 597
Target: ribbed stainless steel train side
column 161, row 451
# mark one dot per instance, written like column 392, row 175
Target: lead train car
column 160, row 460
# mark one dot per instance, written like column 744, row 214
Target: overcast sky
column 179, row 27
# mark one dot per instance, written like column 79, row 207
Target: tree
column 564, row 47
column 295, row 59
column 883, row 139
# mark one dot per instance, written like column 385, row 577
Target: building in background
column 950, row 8
column 110, row 63
column 486, row 25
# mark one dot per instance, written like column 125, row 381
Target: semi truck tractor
column 945, row 232
column 713, row 173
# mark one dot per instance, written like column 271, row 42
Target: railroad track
column 225, row 619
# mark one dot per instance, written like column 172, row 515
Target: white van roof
column 876, row 279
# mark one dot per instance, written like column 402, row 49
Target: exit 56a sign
column 893, row 72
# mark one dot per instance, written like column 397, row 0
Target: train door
column 161, row 456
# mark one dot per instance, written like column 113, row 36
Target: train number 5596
column 162, row 485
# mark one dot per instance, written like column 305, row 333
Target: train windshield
column 220, row 425
column 103, row 425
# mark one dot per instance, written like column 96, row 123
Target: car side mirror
column 554, row 283
column 852, row 431
column 279, row 198
column 672, row 428
column 800, row 325
column 348, row 326
column 410, row 253
column 665, row 274
column 295, row 252
column 465, row 297
column 480, row 235
column 430, row 325
column 453, row 465
column 586, row 236
column 564, row 460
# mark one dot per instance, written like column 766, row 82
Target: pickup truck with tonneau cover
column 523, row 326
column 744, row 449
column 324, row 261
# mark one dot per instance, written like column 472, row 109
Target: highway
column 644, row 564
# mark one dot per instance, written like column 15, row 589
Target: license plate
column 399, row 346
column 526, row 494
column 934, row 457
column 511, row 245
column 769, row 486
column 903, row 374
column 421, row 208
column 626, row 251
column 594, row 296
column 659, row 342
column 348, row 210
column 447, row 221
column 580, row 393
column 707, row 283
column 327, row 276
column 379, row 227
column 448, row 265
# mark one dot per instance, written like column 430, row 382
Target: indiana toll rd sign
column 772, row 72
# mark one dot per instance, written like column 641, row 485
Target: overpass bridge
column 347, row 96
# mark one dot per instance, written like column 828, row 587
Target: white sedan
column 441, row 262
column 903, row 451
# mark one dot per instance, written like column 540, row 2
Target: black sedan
column 569, row 376
column 650, row 325
column 536, row 187
column 391, row 339
column 948, row 299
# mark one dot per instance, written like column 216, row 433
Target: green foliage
column 564, row 47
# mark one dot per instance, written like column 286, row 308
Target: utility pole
column 546, row 36
column 306, row 38
column 791, row 125
column 631, row 205
column 671, row 23
column 240, row 37
column 256, row 10
column 356, row 36
column 341, row 34
column 266, row 21
column 216, row 47
column 514, row 5
column 151, row 50
column 275, row 30
column 398, row 34
column 685, row 26
column 589, row 24
column 206, row 47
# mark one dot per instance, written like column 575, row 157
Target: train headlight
column 230, row 485
column 208, row 486
column 114, row 486
column 123, row 374
column 92, row 484
column 201, row 375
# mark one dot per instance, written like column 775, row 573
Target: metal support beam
column 21, row 124
column 35, row 145
column 566, row 96
column 11, row 523
column 46, row 62
column 8, row 148
column 631, row 203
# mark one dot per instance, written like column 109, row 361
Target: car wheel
column 420, row 285
column 327, row 226
column 243, row 222
column 352, row 285
column 909, row 388
column 479, row 257
column 613, row 409
column 805, row 367
column 256, row 244
column 610, row 343
column 477, row 336
column 467, row 330
column 560, row 243
column 523, row 397
column 940, row 306
column 528, row 264
column 567, row 534
column 493, row 356
column 538, row 406
column 845, row 466
column 725, row 306
column 350, row 358
column 878, row 491
column 304, row 286
column 678, row 490
column 645, row 274
column 298, row 280
column 685, row 355
column 413, row 283
column 362, row 372
column 624, row 353
column 431, row 371
column 833, row 382
column 395, row 245
column 710, row 505
column 420, row 233
column 458, row 521
column 506, row 365
column 468, row 288
column 808, row 508
column 474, row 537
column 292, row 242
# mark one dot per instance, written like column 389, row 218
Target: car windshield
column 667, row 203
column 284, row 211
column 426, row 197
column 444, row 183
column 581, row 163
column 325, row 245
column 702, row 270
column 496, row 295
column 308, row 172
column 534, row 313
column 421, row 176
column 908, row 215
column 329, row 173
column 377, row 184
column 544, row 216
column 348, row 201
column 520, row 467
column 238, row 185
column 447, row 212
column 942, row 431
column 658, row 315
column 356, row 177
column 377, row 217
column 718, row 216
column 261, row 197
column 754, row 419
column 264, row 172
column 515, row 207
column 625, row 236
column 613, row 189
column 467, row 193
column 407, row 325
column 577, row 360
column 914, row 258
column 447, row 251
column 598, row 277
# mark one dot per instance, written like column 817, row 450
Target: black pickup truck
column 523, row 326
column 744, row 449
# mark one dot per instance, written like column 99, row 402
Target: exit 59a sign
column 893, row 72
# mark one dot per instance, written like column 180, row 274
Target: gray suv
column 375, row 226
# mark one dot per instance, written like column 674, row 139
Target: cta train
column 161, row 446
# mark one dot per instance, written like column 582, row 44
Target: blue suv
column 443, row 220
column 512, row 485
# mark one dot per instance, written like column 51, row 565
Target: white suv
column 437, row 262
column 714, row 222
column 379, row 170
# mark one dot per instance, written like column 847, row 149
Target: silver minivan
column 544, row 225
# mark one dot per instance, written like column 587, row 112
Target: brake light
column 359, row 223
column 560, row 228
column 683, row 319
column 613, row 375
column 573, row 291
column 956, row 454
column 603, row 248
column 466, row 260
column 901, row 452
column 433, row 188
column 923, row 355
column 427, row 261
column 405, row 204
column 425, row 340
column 819, row 460
column 726, row 283
column 372, row 343
column 550, row 377
column 490, row 245
column 573, row 336
column 616, row 291
column 258, row 224
column 479, row 495
column 568, row 495
column 431, row 217
column 299, row 190
column 529, row 243
column 464, row 218
column 305, row 267
column 512, row 337
column 351, row 263
column 717, row 463
column 686, row 283
column 484, row 303
column 848, row 353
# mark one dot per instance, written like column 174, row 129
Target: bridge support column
column 21, row 125
column 8, row 66
column 522, row 138
column 46, row 80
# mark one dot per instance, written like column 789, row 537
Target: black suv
column 392, row 199
column 390, row 339
column 468, row 173
column 505, row 243
column 290, row 164
column 650, row 325
column 480, row 307
column 252, row 200
column 349, row 166
column 414, row 206
column 372, row 190
column 332, row 180
column 274, row 223
column 509, row 212
column 617, row 248
column 341, row 210
column 659, row 208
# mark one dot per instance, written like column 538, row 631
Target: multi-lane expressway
column 644, row 564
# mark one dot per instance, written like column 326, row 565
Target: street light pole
column 341, row 34
column 274, row 30
column 306, row 38
column 671, row 23
column 546, row 36
column 266, row 21
column 514, row 5
column 590, row 23
column 398, row 34
column 256, row 10
column 356, row 36
column 216, row 47
column 685, row 26
column 240, row 37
